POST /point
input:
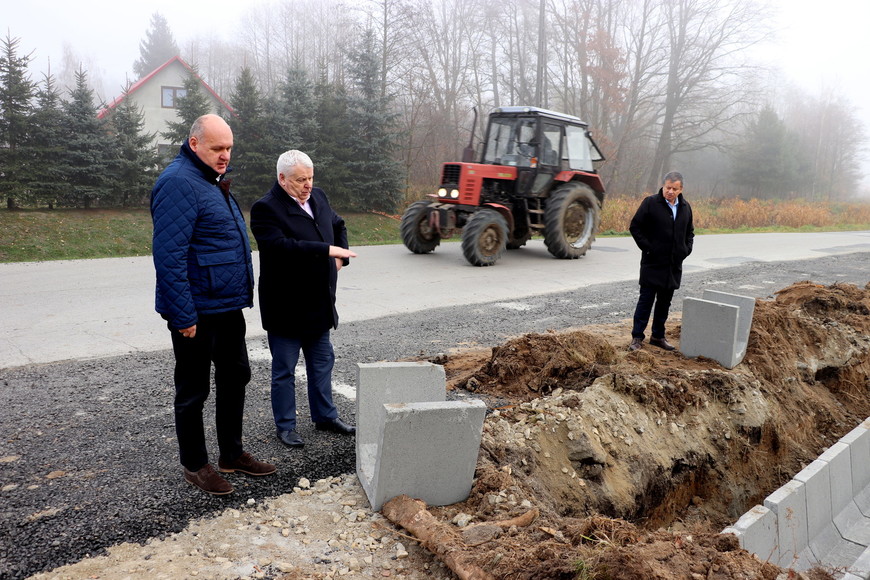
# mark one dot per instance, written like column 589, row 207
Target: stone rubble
column 320, row 531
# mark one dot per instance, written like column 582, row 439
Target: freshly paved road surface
column 53, row 311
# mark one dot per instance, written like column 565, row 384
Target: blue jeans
column 319, row 360
column 662, row 298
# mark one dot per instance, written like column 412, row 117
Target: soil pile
column 635, row 460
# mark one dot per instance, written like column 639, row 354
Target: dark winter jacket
column 297, row 277
column 664, row 241
column 201, row 250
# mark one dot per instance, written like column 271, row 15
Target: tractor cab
column 540, row 144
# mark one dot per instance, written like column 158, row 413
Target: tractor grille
column 450, row 174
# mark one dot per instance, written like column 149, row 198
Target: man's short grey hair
column 290, row 159
column 673, row 176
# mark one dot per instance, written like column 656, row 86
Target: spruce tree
column 158, row 47
column 190, row 107
column 253, row 159
column 87, row 149
column 134, row 160
column 46, row 144
column 294, row 125
column 333, row 153
column 378, row 181
column 16, row 95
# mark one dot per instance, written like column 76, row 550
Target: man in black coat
column 663, row 230
column 303, row 245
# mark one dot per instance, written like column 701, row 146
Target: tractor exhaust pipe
column 468, row 152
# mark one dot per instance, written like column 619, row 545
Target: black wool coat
column 297, row 277
column 664, row 241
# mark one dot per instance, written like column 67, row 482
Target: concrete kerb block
column 710, row 330
column 789, row 503
column 861, row 567
column 858, row 440
column 852, row 524
column 389, row 382
column 428, row 451
column 840, row 474
column 746, row 304
column 756, row 530
column 836, row 516
column 409, row 439
column 816, row 477
column 862, row 500
column 843, row 555
column 717, row 326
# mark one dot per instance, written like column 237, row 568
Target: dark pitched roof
column 144, row 80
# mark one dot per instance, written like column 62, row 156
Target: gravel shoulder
column 88, row 459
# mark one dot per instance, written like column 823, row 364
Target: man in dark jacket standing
column 663, row 230
column 204, row 278
column 303, row 245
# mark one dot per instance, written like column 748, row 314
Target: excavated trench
column 650, row 442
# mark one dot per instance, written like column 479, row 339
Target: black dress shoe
column 336, row 426
column 661, row 343
column 290, row 438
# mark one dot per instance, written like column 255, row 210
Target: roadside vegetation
column 28, row 235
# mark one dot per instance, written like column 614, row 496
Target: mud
column 637, row 460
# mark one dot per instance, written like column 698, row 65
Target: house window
column 169, row 96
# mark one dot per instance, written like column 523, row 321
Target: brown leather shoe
column 661, row 343
column 208, row 480
column 636, row 344
column 246, row 464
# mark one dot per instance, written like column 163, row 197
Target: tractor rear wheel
column 571, row 220
column 484, row 237
column 417, row 234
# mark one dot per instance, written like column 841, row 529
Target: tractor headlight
column 454, row 193
column 442, row 192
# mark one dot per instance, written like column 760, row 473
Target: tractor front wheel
column 484, row 237
column 571, row 220
column 417, row 233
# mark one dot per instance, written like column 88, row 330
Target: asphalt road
column 87, row 451
column 93, row 308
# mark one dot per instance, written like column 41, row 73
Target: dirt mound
column 636, row 459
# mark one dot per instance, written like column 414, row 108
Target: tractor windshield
column 510, row 142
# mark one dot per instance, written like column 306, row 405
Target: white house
column 157, row 93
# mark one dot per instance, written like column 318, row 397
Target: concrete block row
column 409, row 439
column 819, row 518
column 717, row 326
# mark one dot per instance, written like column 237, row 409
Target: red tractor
column 536, row 175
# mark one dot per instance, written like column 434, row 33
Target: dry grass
column 738, row 215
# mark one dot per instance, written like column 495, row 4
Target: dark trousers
column 648, row 295
column 319, row 361
column 220, row 339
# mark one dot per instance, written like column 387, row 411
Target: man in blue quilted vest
column 204, row 278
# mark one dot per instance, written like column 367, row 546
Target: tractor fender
column 504, row 211
column 593, row 180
